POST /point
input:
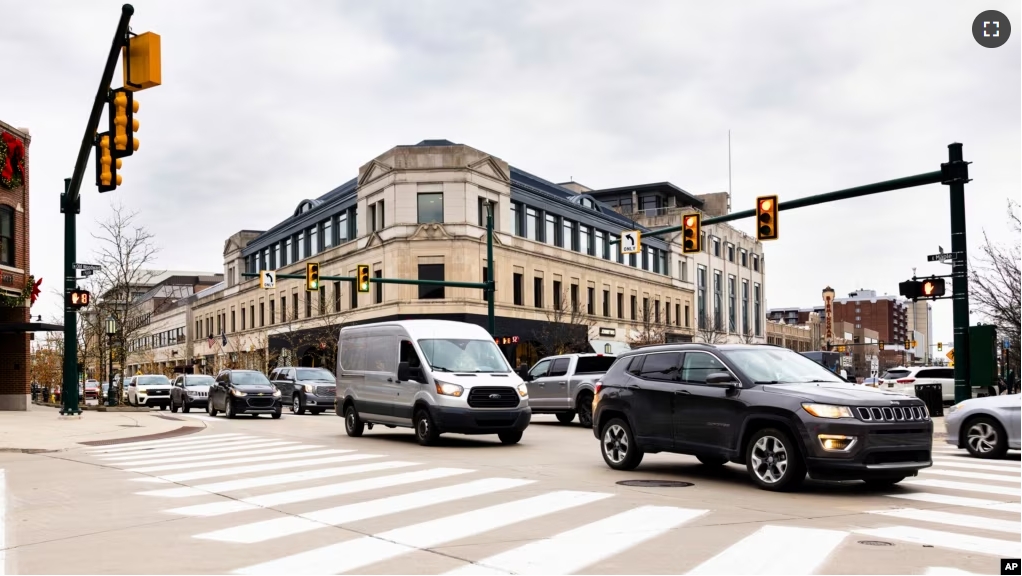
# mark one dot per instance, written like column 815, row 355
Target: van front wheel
column 425, row 431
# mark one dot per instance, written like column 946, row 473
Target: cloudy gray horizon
column 264, row 104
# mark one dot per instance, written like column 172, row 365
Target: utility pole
column 957, row 174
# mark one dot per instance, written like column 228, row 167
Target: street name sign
column 631, row 242
column 943, row 256
column 87, row 267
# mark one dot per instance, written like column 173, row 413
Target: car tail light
column 906, row 380
column 599, row 386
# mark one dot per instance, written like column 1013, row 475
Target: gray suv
column 312, row 389
column 777, row 412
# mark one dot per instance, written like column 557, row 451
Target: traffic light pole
column 957, row 174
column 70, row 205
column 489, row 269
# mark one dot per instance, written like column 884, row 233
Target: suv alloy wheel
column 773, row 461
column 618, row 446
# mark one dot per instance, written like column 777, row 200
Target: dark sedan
column 243, row 392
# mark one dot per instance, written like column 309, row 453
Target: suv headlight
column 310, row 388
column 140, row 390
column 276, row 393
column 828, row 410
column 448, row 389
column 236, row 392
column 523, row 390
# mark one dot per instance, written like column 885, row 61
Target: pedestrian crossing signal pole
column 955, row 173
column 489, row 269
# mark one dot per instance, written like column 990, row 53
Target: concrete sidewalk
column 42, row 428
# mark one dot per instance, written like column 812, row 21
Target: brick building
column 14, row 268
column 887, row 315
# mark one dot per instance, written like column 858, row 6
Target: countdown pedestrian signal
column 78, row 299
column 691, row 233
column 766, row 218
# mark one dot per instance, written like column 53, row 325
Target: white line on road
column 991, row 466
column 245, row 460
column 231, row 471
column 1010, row 464
column 952, row 540
column 574, row 550
column 961, row 501
column 775, row 550
column 1014, row 479
column 247, row 451
column 316, row 492
column 953, row 519
column 245, row 483
column 225, row 446
column 967, row 486
column 354, row 554
column 146, row 444
column 291, row 525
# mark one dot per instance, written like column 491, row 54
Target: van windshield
column 455, row 355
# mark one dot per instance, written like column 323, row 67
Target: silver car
column 986, row 427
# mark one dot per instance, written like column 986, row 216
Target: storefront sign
column 504, row 340
column 828, row 310
column 608, row 332
column 8, row 279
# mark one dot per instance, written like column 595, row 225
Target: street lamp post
column 111, row 329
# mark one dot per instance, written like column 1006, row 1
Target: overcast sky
column 266, row 103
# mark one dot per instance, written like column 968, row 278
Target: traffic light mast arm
column 875, row 188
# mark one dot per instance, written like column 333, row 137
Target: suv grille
column 325, row 390
column 493, row 397
column 892, row 414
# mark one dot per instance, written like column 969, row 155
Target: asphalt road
column 297, row 496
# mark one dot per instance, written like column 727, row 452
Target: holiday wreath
column 12, row 160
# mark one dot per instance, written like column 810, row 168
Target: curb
column 182, row 431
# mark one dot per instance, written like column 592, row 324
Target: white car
column 149, row 390
column 904, row 380
column 986, row 427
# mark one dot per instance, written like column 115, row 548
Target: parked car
column 92, row 389
column 563, row 385
column 312, row 389
column 435, row 376
column 190, row 391
column 243, row 392
column 986, row 427
column 149, row 390
column 771, row 409
column 904, row 380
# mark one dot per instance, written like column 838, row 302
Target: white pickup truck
column 563, row 385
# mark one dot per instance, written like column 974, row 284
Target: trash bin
column 933, row 396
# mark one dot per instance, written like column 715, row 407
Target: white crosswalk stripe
column 990, row 466
column 969, row 459
column 317, row 492
column 248, row 451
column 974, row 475
column 146, row 444
column 175, row 452
column 354, row 554
column 236, row 470
column 966, row 486
column 775, row 550
column 961, row 501
column 954, row 519
column 293, row 455
column 951, row 540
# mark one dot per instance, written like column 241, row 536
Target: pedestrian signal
column 78, row 298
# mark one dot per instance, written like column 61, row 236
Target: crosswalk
column 287, row 499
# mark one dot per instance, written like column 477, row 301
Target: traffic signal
column 880, row 345
column 123, row 123
column 691, row 233
column 766, row 218
column 916, row 289
column 363, row 278
column 78, row 298
column 312, row 276
column 107, row 178
column 932, row 288
column 940, row 346
column 908, row 344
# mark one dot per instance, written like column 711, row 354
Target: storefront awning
column 21, row 327
column 609, row 347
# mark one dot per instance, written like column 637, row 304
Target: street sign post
column 631, row 242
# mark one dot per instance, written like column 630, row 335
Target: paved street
column 297, row 496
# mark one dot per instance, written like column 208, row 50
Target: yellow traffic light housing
column 312, row 276
column 881, row 345
column 141, row 62
column 766, row 218
column 123, row 123
column 107, row 166
column 691, row 233
column 940, row 346
column 363, row 278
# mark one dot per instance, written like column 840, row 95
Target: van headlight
column 523, row 390
column 828, row 410
column 448, row 389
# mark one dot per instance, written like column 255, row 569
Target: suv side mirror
column 523, row 373
column 720, row 379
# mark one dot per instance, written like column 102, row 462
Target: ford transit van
column 434, row 376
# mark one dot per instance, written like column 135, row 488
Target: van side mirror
column 406, row 372
column 720, row 379
column 523, row 373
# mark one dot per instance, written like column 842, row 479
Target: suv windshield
column 452, row 355
column 199, row 381
column 249, row 378
column 593, row 364
column 152, row 381
column 315, row 374
column 779, row 366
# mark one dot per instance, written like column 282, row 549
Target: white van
column 434, row 376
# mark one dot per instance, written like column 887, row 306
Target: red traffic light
column 766, row 205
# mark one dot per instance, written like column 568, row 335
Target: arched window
column 6, row 235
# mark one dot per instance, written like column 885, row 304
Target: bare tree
column 289, row 334
column 994, row 285
column 567, row 327
column 323, row 330
column 125, row 253
column 652, row 329
column 709, row 332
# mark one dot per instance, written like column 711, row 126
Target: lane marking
column 188, row 465
column 574, row 550
column 175, row 452
column 291, row 525
column 146, row 444
column 316, row 492
column 248, row 451
column 953, row 519
column 952, row 540
column 979, row 461
column 215, row 472
column 961, row 501
column 354, row 554
column 782, row 550
column 993, row 467
column 245, row 483
column 974, row 475
column 966, row 486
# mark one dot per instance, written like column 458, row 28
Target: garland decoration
column 12, row 160
column 11, row 301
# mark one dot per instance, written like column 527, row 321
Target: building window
column 519, row 288
column 286, row 256
column 730, row 252
column 645, row 257
column 550, row 232
column 557, row 295
column 294, row 306
column 656, row 311
column 342, row 227
column 378, row 292
column 308, row 305
column 353, row 297
column 567, row 234
column 732, row 325
column 531, row 223
column 755, row 263
column 601, row 245
column 233, row 327
column 702, row 242
column 431, row 207
column 683, row 265
column 431, row 272
column 337, row 297
column 313, row 240
column 322, row 301
column 756, row 310
column 537, row 292
column 242, row 318
column 667, row 313
column 585, row 239
column 701, row 297
column 275, row 257
column 606, row 303
column 745, row 306
column 634, row 306
column 615, row 253
column 664, row 263
column 716, row 247
column 328, row 234
column 620, row 305
column 745, row 258
column 516, row 219
column 687, row 321
column 273, row 314
column 591, row 304
column 301, row 246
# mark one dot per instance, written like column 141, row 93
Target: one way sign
column 631, row 242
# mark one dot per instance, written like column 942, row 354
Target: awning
column 19, row 327
column 615, row 347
